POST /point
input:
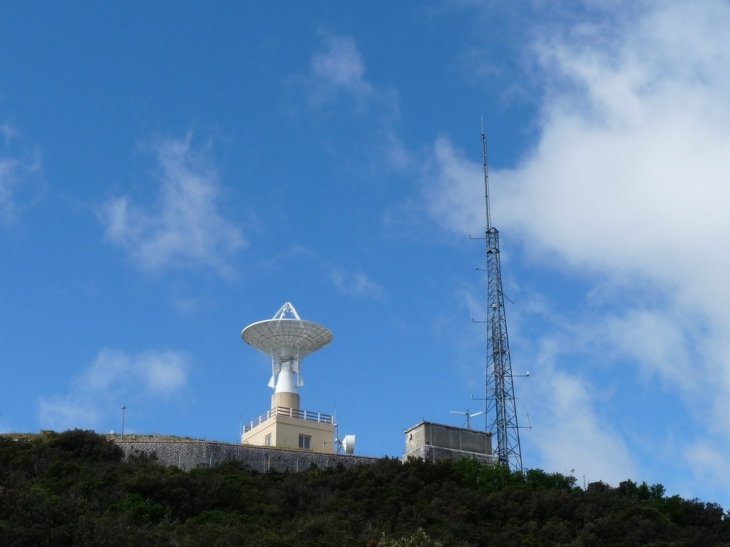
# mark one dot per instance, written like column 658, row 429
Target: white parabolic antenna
column 348, row 443
column 287, row 339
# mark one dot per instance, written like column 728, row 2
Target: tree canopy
column 75, row 488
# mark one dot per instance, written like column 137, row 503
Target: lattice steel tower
column 501, row 410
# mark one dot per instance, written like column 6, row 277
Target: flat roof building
column 431, row 441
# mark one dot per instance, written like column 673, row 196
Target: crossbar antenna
column 500, row 409
column 468, row 416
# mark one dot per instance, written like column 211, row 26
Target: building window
column 305, row 442
column 267, row 440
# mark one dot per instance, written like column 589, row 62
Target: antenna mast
column 501, row 410
column 486, row 178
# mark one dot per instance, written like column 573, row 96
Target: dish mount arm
column 287, row 311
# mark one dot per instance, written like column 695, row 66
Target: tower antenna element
column 501, row 410
column 486, row 177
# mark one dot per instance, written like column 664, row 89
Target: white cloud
column 114, row 378
column 336, row 77
column 355, row 284
column 397, row 157
column 655, row 339
column 342, row 65
column 339, row 69
column 8, row 132
column 62, row 413
column 630, row 174
column 630, row 180
column 185, row 304
column 710, row 462
column 21, row 183
column 158, row 373
column 287, row 257
column 628, row 185
column 569, row 428
column 185, row 228
column 569, row 432
column 452, row 190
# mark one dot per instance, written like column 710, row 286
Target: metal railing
column 291, row 413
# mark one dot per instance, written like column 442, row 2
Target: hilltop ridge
column 76, row 488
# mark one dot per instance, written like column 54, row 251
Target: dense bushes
column 74, row 489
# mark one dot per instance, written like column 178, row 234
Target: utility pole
column 124, row 408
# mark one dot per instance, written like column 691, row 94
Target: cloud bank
column 628, row 186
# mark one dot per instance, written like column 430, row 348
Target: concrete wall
column 433, row 453
column 430, row 441
column 191, row 454
column 415, row 437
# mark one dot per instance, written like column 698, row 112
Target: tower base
column 293, row 429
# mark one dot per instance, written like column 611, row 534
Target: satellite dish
column 287, row 339
column 348, row 443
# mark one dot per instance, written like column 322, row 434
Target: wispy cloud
column 709, row 462
column 185, row 228
column 287, row 257
column 115, row 377
column 336, row 85
column 338, row 69
column 452, row 192
column 21, row 183
column 397, row 156
column 568, row 430
column 628, row 185
column 355, row 284
column 8, row 133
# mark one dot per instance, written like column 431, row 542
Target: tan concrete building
column 292, row 428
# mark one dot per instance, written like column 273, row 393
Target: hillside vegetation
column 74, row 488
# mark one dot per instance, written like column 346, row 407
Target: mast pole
column 501, row 409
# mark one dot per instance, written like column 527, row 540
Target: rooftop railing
column 291, row 413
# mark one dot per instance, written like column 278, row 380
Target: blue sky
column 170, row 173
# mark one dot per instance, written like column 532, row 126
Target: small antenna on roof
column 468, row 416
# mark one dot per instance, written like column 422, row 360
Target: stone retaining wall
column 191, row 454
column 433, row 453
